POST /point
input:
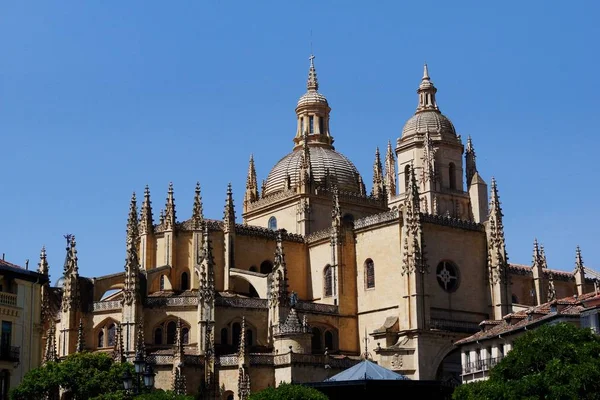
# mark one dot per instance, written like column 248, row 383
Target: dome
column 312, row 97
column 321, row 159
column 60, row 282
column 433, row 122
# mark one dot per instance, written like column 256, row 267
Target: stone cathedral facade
column 316, row 273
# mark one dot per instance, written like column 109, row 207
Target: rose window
column 447, row 276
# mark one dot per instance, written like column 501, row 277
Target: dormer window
column 311, row 124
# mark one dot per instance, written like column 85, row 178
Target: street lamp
column 144, row 374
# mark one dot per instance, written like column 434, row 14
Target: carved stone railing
column 179, row 301
column 8, row 299
column 251, row 230
column 313, row 359
column 377, row 219
column 452, row 222
column 270, row 199
column 228, row 360
column 169, row 359
column 454, row 326
column 106, row 305
column 241, row 302
column 319, row 235
column 319, row 308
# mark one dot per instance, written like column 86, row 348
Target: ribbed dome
column 312, row 97
column 321, row 158
column 433, row 122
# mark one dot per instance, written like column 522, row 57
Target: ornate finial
column 132, row 220
column 251, row 194
column 43, row 264
column 578, row 260
column 140, row 345
column 118, row 354
column 179, row 352
column 313, row 83
column 170, row 217
column 206, row 291
column 229, row 212
column 132, row 272
column 366, row 355
column 390, row 172
column 378, row 185
column 536, row 253
column 336, row 212
column 146, row 224
column 470, row 161
column 80, row 338
column 197, row 212
column 543, row 257
column 426, row 93
column 50, row 354
column 242, row 344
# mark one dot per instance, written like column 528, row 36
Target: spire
column 495, row 213
column 378, row 187
column 118, row 354
column 43, row 264
column 336, row 212
column 242, row 345
column 229, row 213
column 50, row 354
column 44, row 269
column 390, row 172
column 197, row 212
column 497, row 257
column 470, row 164
column 71, row 274
column 279, row 282
column 427, row 93
column 140, row 345
column 305, row 163
column 312, row 83
column 578, row 260
column 251, row 183
column 132, row 220
column 146, row 223
column 170, row 218
column 132, row 271
column 543, row 259
column 207, row 272
column 536, row 255
column 179, row 352
column 412, row 200
column 80, row 338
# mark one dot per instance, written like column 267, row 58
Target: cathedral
column 316, row 274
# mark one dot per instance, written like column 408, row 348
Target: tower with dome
column 315, row 267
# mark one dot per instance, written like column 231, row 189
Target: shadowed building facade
column 316, row 263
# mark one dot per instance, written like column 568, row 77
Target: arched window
column 224, row 336
column 328, row 284
column 273, row 223
column 266, row 267
column 406, row 177
column 301, row 125
column 452, row 175
column 158, row 336
column 162, row 283
column 185, row 335
column 171, row 332
column 101, row 338
column 311, row 122
column 369, row 274
column 185, row 281
column 112, row 330
column 253, row 268
column 315, row 340
column 249, row 337
column 329, row 340
column 236, row 329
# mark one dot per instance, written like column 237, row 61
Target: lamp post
column 143, row 379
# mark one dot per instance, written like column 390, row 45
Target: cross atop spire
column 578, row 260
column 251, row 194
column 170, row 217
column 313, row 82
column 132, row 221
column 426, row 93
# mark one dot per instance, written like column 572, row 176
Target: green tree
column 559, row 361
column 85, row 375
column 288, row 391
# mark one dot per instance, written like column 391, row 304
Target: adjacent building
column 20, row 315
column 316, row 266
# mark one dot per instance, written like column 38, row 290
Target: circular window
column 447, row 276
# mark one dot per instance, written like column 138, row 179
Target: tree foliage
column 85, row 375
column 559, row 361
column 288, row 391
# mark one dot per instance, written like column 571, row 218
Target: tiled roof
column 4, row 263
column 568, row 306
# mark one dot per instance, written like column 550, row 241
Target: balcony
column 8, row 299
column 481, row 365
column 10, row 353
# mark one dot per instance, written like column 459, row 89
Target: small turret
column 539, row 277
column 170, row 217
column 146, row 225
column 229, row 212
column 390, row 172
column 132, row 220
column 427, row 93
column 471, row 165
column 378, row 190
column 579, row 272
column 197, row 212
column 251, row 194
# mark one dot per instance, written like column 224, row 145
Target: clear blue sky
column 100, row 98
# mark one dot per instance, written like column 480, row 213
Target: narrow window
column 329, row 340
column 5, row 339
column 321, row 129
column 249, row 337
column 158, row 336
column 101, row 338
column 112, row 330
column 224, row 336
column 316, row 340
column 452, row 175
column 185, row 335
column 406, row 177
column 171, row 332
column 302, row 125
column 327, row 276
column 273, row 223
column 369, row 274
column 236, row 329
column 185, row 281
column 162, row 283
column 311, row 122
